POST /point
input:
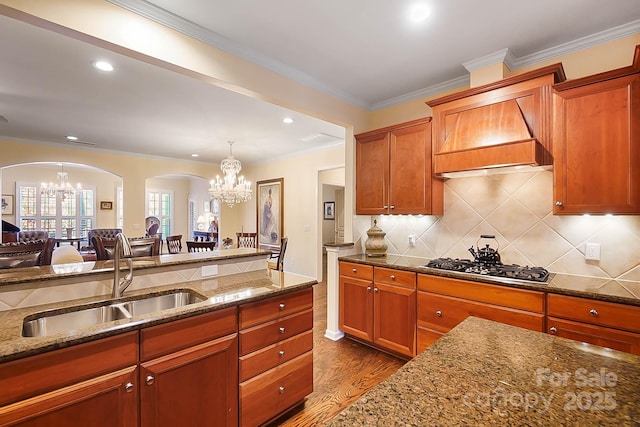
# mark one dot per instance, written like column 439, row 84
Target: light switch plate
column 592, row 251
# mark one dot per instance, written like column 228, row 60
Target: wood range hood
column 499, row 126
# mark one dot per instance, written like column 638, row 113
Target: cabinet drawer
column 169, row 337
column 595, row 312
column 442, row 313
column 598, row 335
column 394, row 277
column 38, row 374
column 269, row 357
column 275, row 307
column 522, row 299
column 269, row 333
column 359, row 271
column 267, row 395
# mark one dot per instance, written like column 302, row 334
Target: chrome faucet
column 121, row 248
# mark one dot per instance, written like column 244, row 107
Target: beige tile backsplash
column 517, row 209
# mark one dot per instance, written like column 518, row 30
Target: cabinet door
column 106, row 401
column 597, row 148
column 356, row 308
column 372, row 174
column 395, row 318
column 410, row 170
column 196, row 386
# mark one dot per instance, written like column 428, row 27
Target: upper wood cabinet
column 597, row 143
column 393, row 171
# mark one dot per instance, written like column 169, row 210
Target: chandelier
column 63, row 188
column 232, row 188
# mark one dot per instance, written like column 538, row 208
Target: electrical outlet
column 412, row 240
column 592, row 251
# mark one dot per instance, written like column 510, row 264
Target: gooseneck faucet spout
column 122, row 248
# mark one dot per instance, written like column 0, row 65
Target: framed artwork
column 106, row 205
column 7, row 204
column 329, row 210
column 269, row 204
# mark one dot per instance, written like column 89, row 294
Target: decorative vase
column 69, row 232
column 375, row 246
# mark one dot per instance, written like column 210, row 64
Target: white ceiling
column 363, row 51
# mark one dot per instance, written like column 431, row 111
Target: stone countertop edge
column 582, row 286
column 10, row 276
column 485, row 373
column 221, row 292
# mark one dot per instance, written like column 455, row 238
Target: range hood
column 500, row 127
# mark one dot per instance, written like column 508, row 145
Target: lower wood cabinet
column 276, row 355
column 602, row 323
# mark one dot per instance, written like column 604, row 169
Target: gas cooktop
column 506, row 273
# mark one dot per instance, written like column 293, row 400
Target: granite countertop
column 620, row 291
column 51, row 272
column 221, row 292
column 484, row 373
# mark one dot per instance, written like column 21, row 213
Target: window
column 55, row 213
column 160, row 205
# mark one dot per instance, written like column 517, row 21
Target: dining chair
column 140, row 247
column 26, row 254
column 200, row 246
column 247, row 240
column 174, row 244
column 276, row 259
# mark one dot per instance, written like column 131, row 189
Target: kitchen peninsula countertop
column 620, row 291
column 221, row 292
column 484, row 373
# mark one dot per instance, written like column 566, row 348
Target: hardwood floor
column 343, row 371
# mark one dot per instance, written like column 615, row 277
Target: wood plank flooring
column 343, row 371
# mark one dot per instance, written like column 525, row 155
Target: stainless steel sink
column 64, row 320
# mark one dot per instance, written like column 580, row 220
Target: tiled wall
column 517, row 209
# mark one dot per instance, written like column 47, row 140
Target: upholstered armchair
column 31, row 236
column 105, row 233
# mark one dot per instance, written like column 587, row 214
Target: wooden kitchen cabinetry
column 393, row 171
column 602, row 323
column 89, row 384
column 378, row 306
column 276, row 355
column 596, row 143
column 188, row 371
column 444, row 302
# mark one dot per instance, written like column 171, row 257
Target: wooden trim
column 416, row 122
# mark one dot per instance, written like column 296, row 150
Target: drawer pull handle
column 559, row 203
column 553, row 330
column 281, row 353
column 282, row 330
column 439, row 313
column 128, row 387
column 353, row 270
column 368, row 288
column 281, row 306
column 393, row 277
column 593, row 312
column 281, row 389
column 150, row 380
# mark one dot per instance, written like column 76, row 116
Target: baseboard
column 333, row 335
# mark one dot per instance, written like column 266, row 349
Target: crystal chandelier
column 62, row 187
column 232, row 188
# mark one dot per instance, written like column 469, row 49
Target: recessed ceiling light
column 287, row 120
column 72, row 138
column 103, row 65
column 419, row 13
column 195, row 155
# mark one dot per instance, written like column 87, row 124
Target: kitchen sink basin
column 63, row 320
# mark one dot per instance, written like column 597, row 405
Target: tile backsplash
column 517, row 209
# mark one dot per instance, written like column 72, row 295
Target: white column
column 333, row 331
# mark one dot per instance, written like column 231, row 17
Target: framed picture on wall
column 329, row 210
column 7, row 204
column 270, row 215
column 106, row 205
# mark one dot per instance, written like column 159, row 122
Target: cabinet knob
column 593, row 312
column 375, row 289
column 368, row 288
column 149, row 380
column 553, row 330
column 128, row 387
column 353, row 270
column 439, row 313
column 281, row 353
column 281, row 306
column 282, row 329
column 392, row 207
column 281, row 389
column 385, row 207
column 393, row 277
column 558, row 203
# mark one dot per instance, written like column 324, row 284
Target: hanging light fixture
column 62, row 187
column 232, row 188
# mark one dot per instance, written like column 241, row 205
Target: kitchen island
column 485, row 373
